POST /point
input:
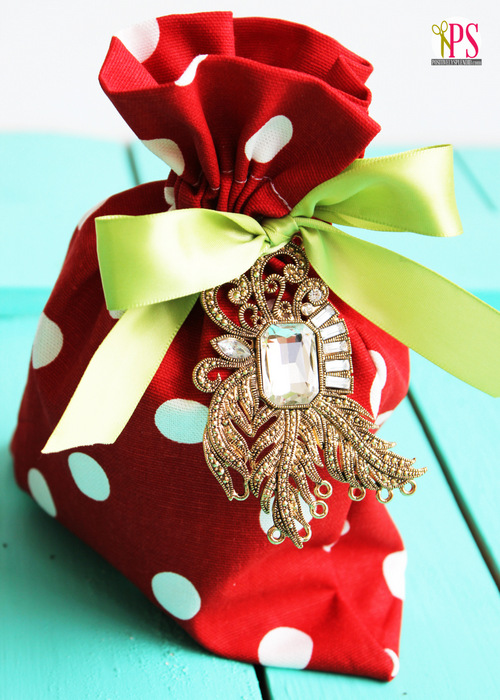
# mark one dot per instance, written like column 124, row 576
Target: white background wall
column 51, row 52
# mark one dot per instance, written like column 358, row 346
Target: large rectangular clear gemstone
column 289, row 364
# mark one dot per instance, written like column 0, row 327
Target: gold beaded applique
column 284, row 411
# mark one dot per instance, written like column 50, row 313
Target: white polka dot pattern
column 181, row 420
column 394, row 568
column 176, row 594
column 89, row 476
column 40, row 491
column 378, row 382
column 168, row 151
column 48, row 342
column 168, row 193
column 287, row 647
column 116, row 314
column 395, row 662
column 189, row 74
column 345, row 529
column 382, row 417
column 141, row 40
column 268, row 141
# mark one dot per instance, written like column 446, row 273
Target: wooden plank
column 453, row 412
column 449, row 645
column 47, row 183
column 22, row 301
column 72, row 626
column 464, row 425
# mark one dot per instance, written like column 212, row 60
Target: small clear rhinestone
column 307, row 309
column 232, row 347
column 315, row 295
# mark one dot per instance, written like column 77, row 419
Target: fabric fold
column 226, row 103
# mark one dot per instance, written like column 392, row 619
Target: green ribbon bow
column 155, row 266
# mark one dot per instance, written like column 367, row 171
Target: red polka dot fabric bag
column 241, row 491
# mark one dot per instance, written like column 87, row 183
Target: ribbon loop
column 280, row 231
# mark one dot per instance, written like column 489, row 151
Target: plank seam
column 474, row 182
column 461, row 503
column 133, row 164
column 260, row 672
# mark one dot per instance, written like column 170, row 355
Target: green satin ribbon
column 156, row 265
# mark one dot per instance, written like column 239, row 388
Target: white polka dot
column 269, row 139
column 266, row 519
column 382, row 417
column 345, row 529
column 395, row 662
column 168, row 151
column 48, row 342
column 89, row 213
column 41, row 492
column 181, row 420
column 378, row 382
column 189, row 74
column 89, row 476
column 287, row 647
column 168, row 193
column 176, row 594
column 394, row 568
column 116, row 314
column 142, row 39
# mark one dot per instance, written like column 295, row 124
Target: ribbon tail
column 118, row 375
column 441, row 321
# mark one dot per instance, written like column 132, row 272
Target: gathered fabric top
column 249, row 113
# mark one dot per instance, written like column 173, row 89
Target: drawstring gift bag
column 211, row 367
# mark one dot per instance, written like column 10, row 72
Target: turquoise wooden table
column 72, row 627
